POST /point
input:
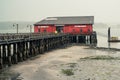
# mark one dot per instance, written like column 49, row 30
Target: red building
column 73, row 25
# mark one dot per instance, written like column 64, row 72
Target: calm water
column 7, row 27
column 101, row 29
column 102, row 36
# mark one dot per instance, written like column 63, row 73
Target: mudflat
column 71, row 63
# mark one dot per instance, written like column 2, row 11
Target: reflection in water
column 102, row 33
column 103, row 42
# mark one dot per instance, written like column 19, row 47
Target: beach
column 70, row 63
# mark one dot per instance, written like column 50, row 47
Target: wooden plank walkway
column 15, row 48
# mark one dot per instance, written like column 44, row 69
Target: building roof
column 67, row 20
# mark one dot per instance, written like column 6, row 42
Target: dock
column 114, row 41
column 15, row 48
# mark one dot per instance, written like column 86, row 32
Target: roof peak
column 67, row 20
column 68, row 16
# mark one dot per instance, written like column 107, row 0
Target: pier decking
column 15, row 48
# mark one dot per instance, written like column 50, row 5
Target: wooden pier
column 16, row 48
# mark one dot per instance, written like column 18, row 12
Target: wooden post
column 109, row 35
column 71, row 39
column 52, row 43
column 37, row 47
column 9, row 55
column 4, row 54
column 42, row 46
column 30, row 48
column 34, row 48
column 68, row 39
column 27, row 50
column 50, row 46
column 15, row 55
column 47, row 44
column 87, row 39
column 91, row 39
column 24, row 50
column 58, row 42
column 19, row 52
column 77, row 38
column 1, row 59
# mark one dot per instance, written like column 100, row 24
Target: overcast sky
column 35, row 10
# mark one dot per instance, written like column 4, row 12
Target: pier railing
column 28, row 36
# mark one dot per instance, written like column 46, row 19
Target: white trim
column 80, row 26
column 43, row 26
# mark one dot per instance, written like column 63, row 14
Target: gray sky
column 35, row 10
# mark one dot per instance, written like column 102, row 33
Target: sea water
column 102, row 36
column 23, row 27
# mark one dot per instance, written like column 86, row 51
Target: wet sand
column 49, row 66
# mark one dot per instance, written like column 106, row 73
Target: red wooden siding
column 45, row 28
column 78, row 29
column 35, row 29
column 72, row 29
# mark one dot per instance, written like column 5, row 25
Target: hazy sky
column 35, row 10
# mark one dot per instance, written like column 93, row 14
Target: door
column 59, row 29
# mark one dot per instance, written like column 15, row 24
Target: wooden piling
column 15, row 54
column 24, row 50
column 19, row 52
column 1, row 59
column 42, row 46
column 4, row 55
column 36, row 49
column 30, row 48
column 9, row 58
column 38, row 42
column 33, row 48
column 109, row 35
column 50, row 44
column 27, row 49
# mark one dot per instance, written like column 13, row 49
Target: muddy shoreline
column 53, row 65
